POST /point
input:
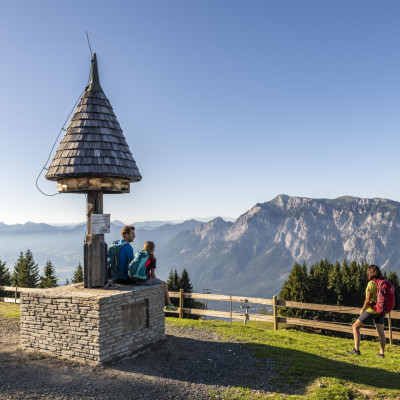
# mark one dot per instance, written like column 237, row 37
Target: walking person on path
column 368, row 314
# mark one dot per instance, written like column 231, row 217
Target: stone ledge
column 96, row 325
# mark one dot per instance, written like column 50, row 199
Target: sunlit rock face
column 254, row 254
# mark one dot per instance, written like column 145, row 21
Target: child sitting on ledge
column 151, row 279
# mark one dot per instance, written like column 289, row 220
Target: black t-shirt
column 149, row 266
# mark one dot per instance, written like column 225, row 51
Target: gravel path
column 187, row 365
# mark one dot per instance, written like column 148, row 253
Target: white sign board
column 100, row 224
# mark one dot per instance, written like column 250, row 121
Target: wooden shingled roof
column 93, row 145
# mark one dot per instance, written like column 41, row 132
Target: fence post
column 231, row 308
column 390, row 329
column 275, row 312
column 181, row 303
column 16, row 291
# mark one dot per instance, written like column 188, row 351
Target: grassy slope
column 314, row 365
column 9, row 310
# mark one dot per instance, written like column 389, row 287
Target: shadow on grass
column 180, row 361
column 232, row 364
column 308, row 367
column 202, row 362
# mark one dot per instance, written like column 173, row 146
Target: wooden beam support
column 86, row 183
column 95, row 263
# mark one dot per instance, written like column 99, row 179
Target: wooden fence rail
column 274, row 302
column 15, row 290
column 275, row 318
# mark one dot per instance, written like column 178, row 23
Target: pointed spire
column 94, row 76
column 94, row 145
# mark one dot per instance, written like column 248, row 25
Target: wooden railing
column 15, row 290
column 275, row 318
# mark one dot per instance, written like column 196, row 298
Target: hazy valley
column 251, row 256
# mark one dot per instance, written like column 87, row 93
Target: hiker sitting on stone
column 144, row 260
column 124, row 254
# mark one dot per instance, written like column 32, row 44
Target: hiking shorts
column 126, row 281
column 148, row 282
column 367, row 318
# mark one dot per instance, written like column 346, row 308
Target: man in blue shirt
column 125, row 255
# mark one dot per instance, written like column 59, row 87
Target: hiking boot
column 381, row 355
column 354, row 351
column 171, row 307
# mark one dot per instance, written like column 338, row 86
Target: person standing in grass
column 368, row 314
column 151, row 279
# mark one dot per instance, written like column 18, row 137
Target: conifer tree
column 359, row 282
column 5, row 278
column 319, row 278
column 335, row 285
column 184, row 282
column 319, row 291
column 49, row 279
column 364, row 276
column 170, row 280
column 78, row 274
column 353, row 298
column 295, row 288
column 26, row 271
column 346, row 283
column 174, row 284
column 186, row 285
column 173, row 281
column 67, row 282
column 5, row 275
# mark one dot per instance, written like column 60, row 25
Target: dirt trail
column 187, row 365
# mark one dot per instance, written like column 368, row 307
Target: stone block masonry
column 92, row 325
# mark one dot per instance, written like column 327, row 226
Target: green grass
column 261, row 324
column 313, row 366
column 9, row 310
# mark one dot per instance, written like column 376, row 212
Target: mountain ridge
column 271, row 236
column 250, row 256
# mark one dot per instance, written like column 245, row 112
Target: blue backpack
column 137, row 267
column 113, row 269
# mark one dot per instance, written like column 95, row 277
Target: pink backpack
column 385, row 296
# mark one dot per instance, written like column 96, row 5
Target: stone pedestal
column 92, row 325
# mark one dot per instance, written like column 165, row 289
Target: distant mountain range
column 254, row 255
column 63, row 245
column 251, row 256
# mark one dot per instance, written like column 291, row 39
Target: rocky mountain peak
column 269, row 238
column 213, row 229
column 286, row 202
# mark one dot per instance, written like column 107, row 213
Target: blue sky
column 223, row 103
